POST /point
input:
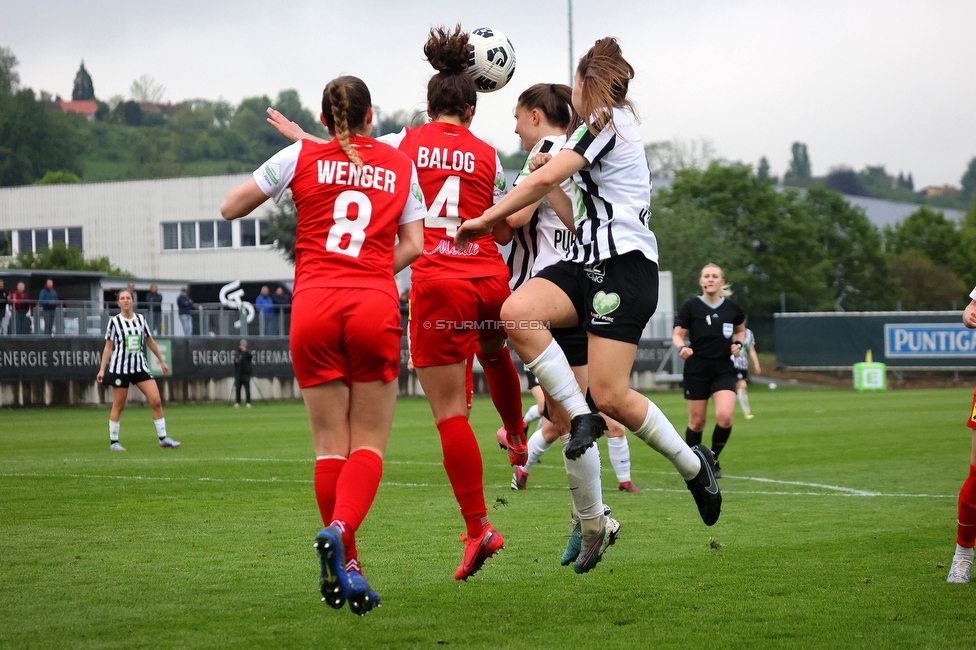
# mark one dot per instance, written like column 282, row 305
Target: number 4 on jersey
column 446, row 201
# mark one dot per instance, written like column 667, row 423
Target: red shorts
column 345, row 333
column 972, row 414
column 449, row 316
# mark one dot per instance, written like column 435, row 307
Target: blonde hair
column 726, row 289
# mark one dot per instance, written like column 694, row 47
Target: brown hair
column 451, row 91
column 556, row 103
column 119, row 294
column 345, row 102
column 605, row 77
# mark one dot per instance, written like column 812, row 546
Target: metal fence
column 85, row 318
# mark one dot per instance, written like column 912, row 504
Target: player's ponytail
column 345, row 103
column 450, row 92
column 605, row 77
column 555, row 101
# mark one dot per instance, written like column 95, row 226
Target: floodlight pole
column 572, row 72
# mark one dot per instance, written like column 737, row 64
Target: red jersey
column 461, row 177
column 347, row 218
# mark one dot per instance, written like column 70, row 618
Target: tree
column 762, row 172
column 282, row 224
column 289, row 104
column 83, row 88
column 800, row 170
column 845, row 180
column 147, row 89
column 924, row 284
column 855, row 269
column 60, row 257
column 968, row 180
column 9, row 78
column 664, row 159
column 58, row 178
column 35, row 140
column 393, row 122
column 926, row 231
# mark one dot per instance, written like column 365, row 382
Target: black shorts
column 614, row 299
column 705, row 377
column 123, row 380
column 530, row 379
column 741, row 375
column 572, row 340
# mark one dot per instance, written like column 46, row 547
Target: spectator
column 20, row 304
column 135, row 296
column 155, row 304
column 242, row 373
column 4, row 317
column 48, row 299
column 282, row 302
column 184, row 305
column 265, row 307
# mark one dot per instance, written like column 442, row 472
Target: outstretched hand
column 468, row 230
column 287, row 128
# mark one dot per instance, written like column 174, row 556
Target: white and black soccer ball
column 491, row 59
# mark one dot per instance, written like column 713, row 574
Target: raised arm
column 242, row 200
column 529, row 190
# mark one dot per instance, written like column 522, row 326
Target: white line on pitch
column 838, row 492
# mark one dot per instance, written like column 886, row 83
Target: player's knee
column 512, row 309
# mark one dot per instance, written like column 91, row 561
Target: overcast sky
column 859, row 81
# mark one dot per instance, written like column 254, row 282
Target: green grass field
column 837, row 531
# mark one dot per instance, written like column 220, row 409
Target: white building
column 168, row 228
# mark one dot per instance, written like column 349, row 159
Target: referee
column 124, row 363
column 715, row 327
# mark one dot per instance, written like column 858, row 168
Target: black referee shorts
column 122, row 380
column 705, row 377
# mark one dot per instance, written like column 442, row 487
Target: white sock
column 537, row 446
column 661, row 436
column 744, row 400
column 160, row 427
column 620, row 457
column 532, row 414
column 554, row 374
column 585, row 487
column 113, row 431
column 964, row 552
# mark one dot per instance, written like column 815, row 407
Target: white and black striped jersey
column 613, row 206
column 741, row 362
column 543, row 240
column 128, row 337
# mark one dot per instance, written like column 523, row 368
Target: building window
column 265, row 228
column 171, row 236
column 249, row 232
column 225, row 231
column 188, row 234
column 6, row 243
column 40, row 239
column 25, row 241
column 74, row 238
column 192, row 235
column 58, row 236
column 206, row 234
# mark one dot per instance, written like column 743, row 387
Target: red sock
column 504, row 387
column 966, row 531
column 462, row 460
column 326, row 474
column 355, row 491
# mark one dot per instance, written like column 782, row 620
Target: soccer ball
column 772, row 386
column 491, row 59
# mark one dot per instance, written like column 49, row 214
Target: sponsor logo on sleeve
column 272, row 173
